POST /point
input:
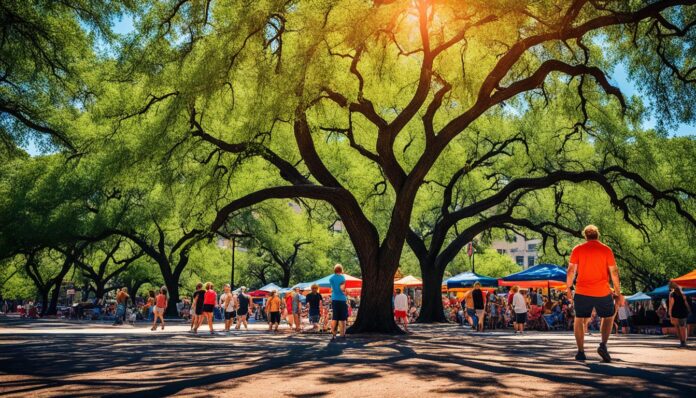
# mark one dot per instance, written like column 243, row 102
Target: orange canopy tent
column 408, row 281
column 688, row 280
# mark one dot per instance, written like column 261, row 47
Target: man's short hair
column 590, row 232
column 398, row 290
column 338, row 269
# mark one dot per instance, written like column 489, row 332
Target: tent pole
column 548, row 288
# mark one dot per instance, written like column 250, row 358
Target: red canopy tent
column 258, row 293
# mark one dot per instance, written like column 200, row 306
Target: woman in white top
column 228, row 303
column 624, row 314
column 519, row 306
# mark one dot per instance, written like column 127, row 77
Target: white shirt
column 623, row 313
column 231, row 305
column 401, row 302
column 519, row 304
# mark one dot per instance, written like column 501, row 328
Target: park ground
column 57, row 358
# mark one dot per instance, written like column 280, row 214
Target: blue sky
column 619, row 78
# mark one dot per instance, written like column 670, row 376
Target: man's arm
column 614, row 271
column 572, row 269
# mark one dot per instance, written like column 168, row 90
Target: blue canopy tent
column 467, row 279
column 663, row 292
column 541, row 275
column 640, row 296
column 303, row 286
column 271, row 287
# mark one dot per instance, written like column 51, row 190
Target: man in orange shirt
column 593, row 262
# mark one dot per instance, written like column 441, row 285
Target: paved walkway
column 49, row 358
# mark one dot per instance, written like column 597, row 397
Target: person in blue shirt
column 338, row 301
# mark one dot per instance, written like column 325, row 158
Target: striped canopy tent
column 353, row 285
column 408, row 281
column 351, row 281
column 688, row 280
column 663, row 292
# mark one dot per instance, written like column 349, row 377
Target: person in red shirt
column 594, row 263
column 288, row 308
column 209, row 302
column 160, row 308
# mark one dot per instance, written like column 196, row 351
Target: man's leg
column 343, row 328
column 579, row 329
column 606, row 325
column 333, row 327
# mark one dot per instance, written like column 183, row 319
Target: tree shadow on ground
column 172, row 363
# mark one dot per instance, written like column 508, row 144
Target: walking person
column 479, row 305
column 197, row 306
column 243, row 305
column 228, row 302
column 209, row 300
column 520, row 308
column 121, row 300
column 623, row 315
column 297, row 309
column 273, row 311
column 160, row 308
column 314, row 301
column 288, row 309
column 151, row 302
column 401, row 309
column 678, row 312
column 339, row 304
column 593, row 262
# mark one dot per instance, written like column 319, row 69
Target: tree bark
column 432, row 310
column 376, row 314
column 44, row 299
column 172, row 283
column 286, row 277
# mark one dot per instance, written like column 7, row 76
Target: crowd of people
column 592, row 305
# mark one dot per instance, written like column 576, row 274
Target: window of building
column 513, row 250
column 532, row 247
column 519, row 260
column 501, row 251
column 530, row 261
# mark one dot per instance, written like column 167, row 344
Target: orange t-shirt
column 273, row 304
column 593, row 259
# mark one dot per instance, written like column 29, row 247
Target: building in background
column 522, row 251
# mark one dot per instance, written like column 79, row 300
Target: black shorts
column 275, row 317
column 230, row 315
column 340, row 310
column 242, row 312
column 199, row 309
column 520, row 317
column 603, row 305
column 208, row 307
column 623, row 323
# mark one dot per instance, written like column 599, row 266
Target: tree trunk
column 431, row 309
column 99, row 291
column 53, row 305
column 44, row 300
column 376, row 314
column 286, row 278
column 172, row 283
